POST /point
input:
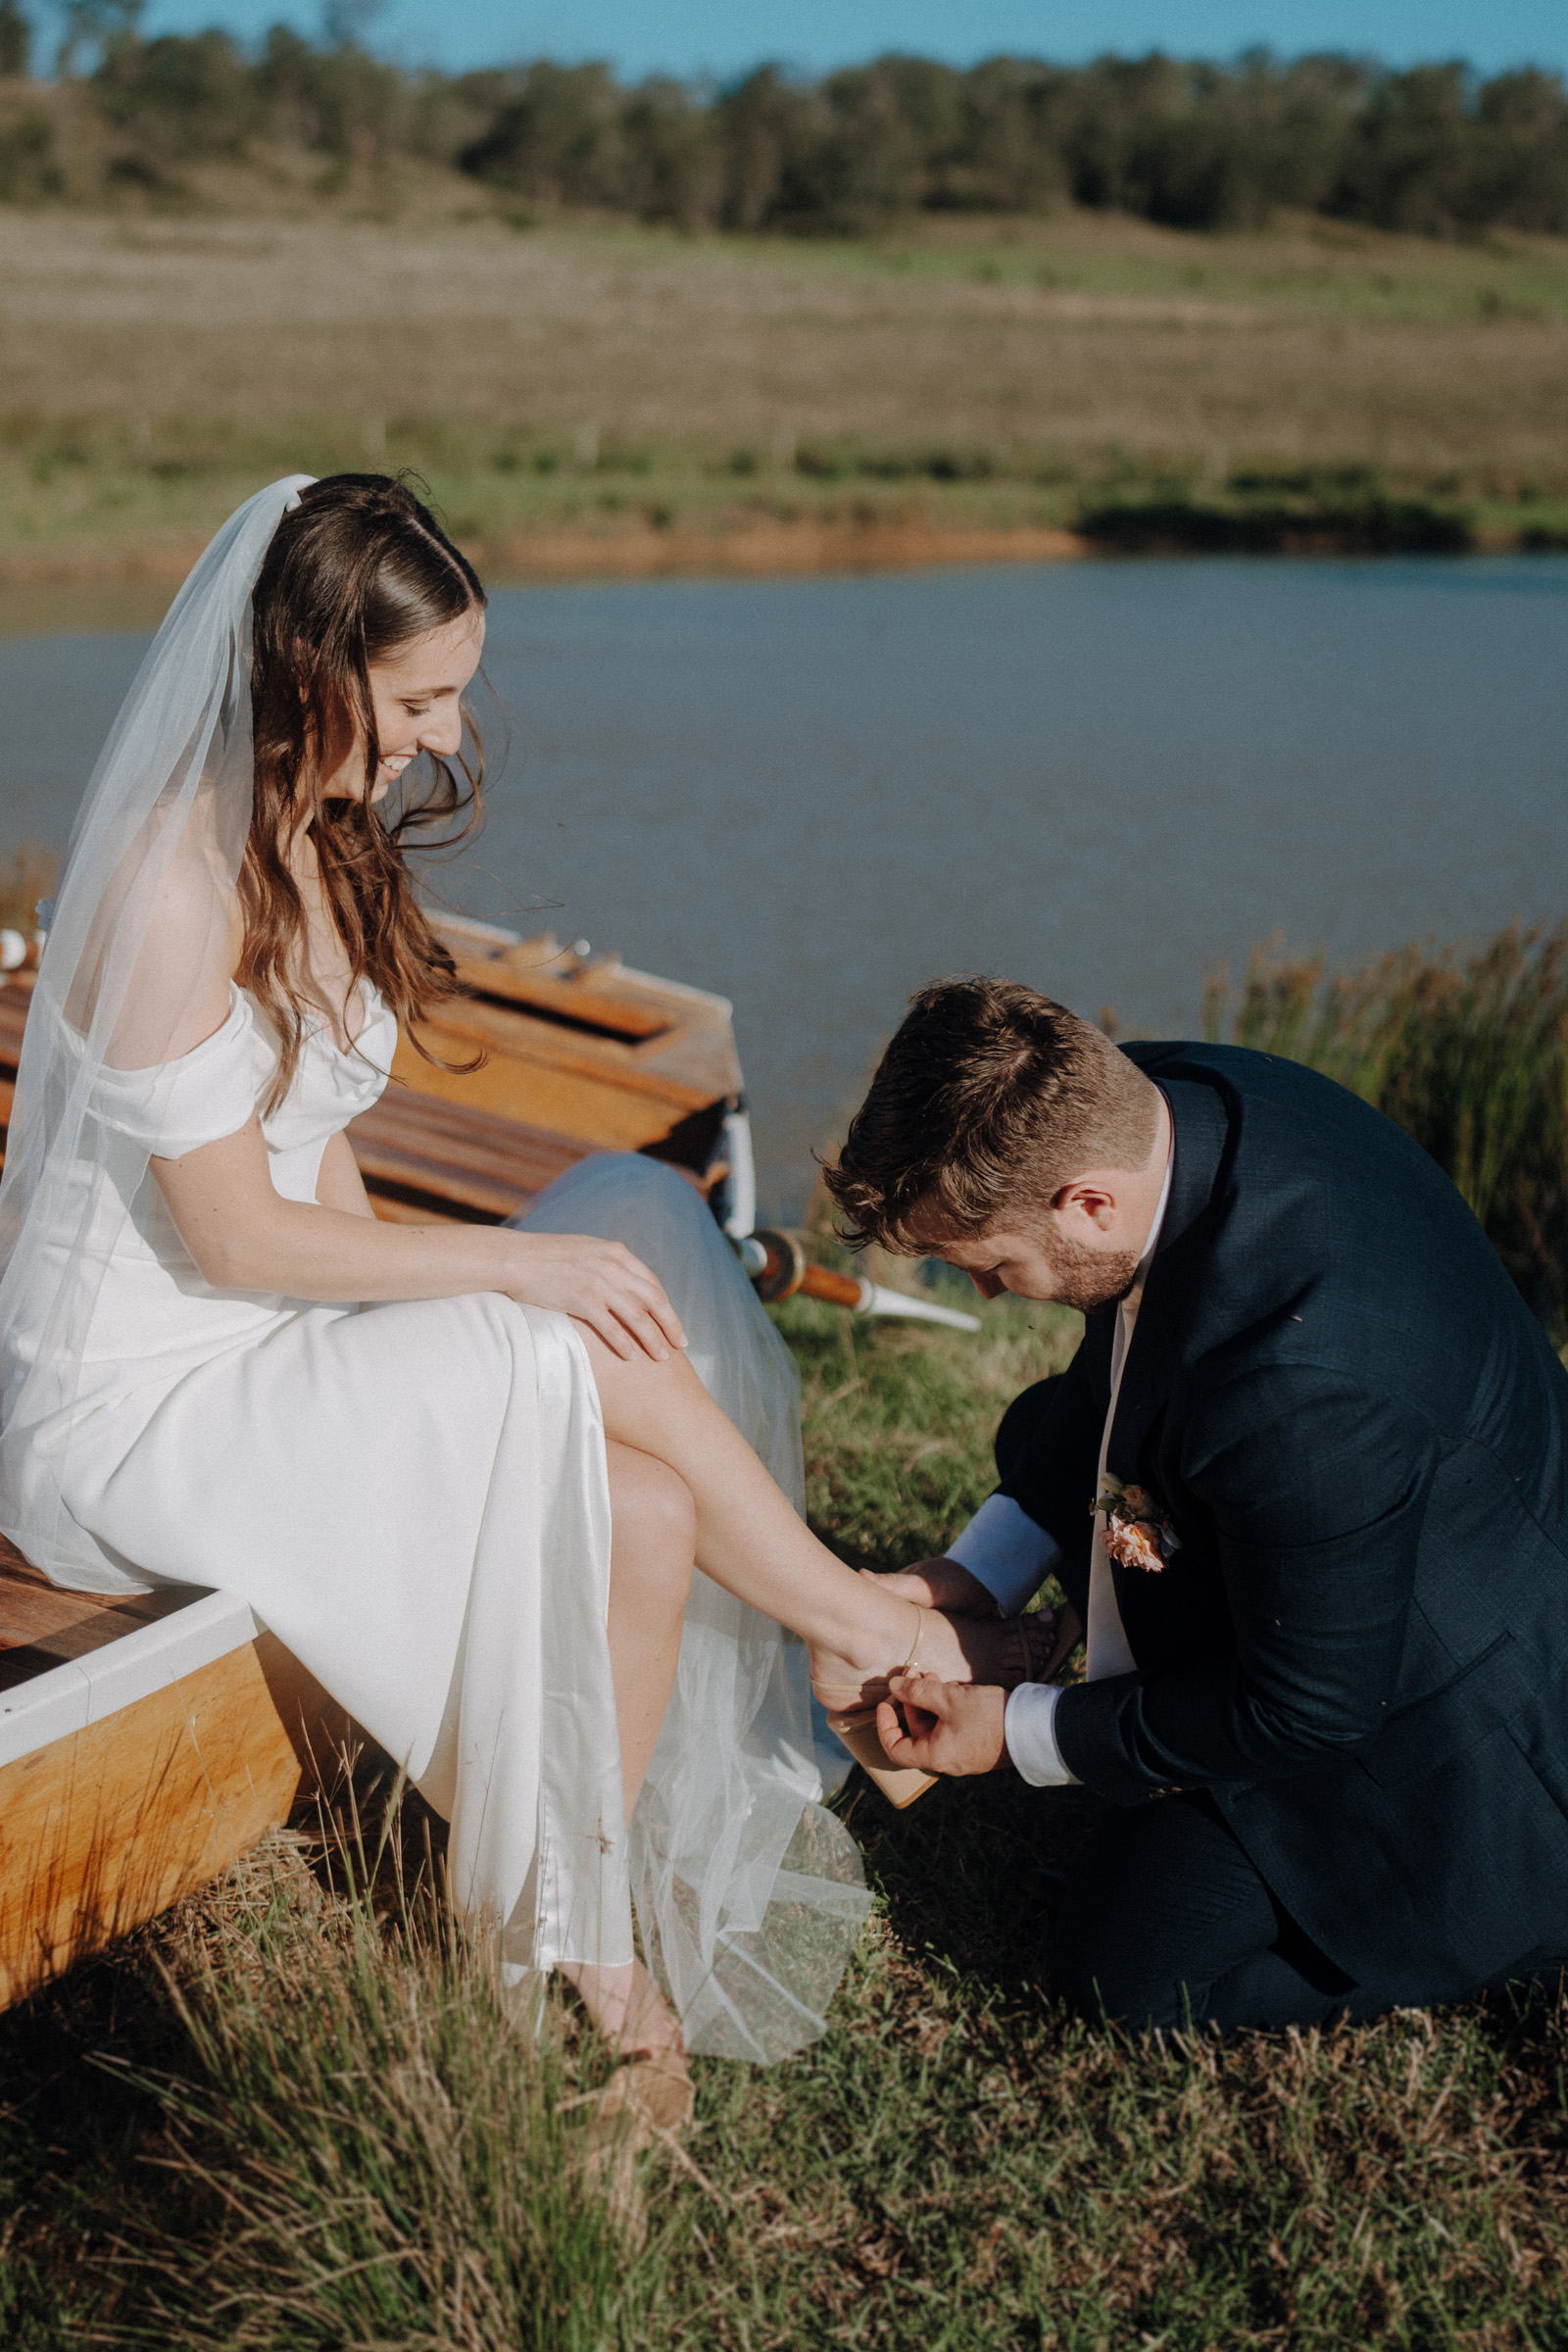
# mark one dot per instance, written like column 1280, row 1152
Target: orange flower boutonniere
column 1138, row 1535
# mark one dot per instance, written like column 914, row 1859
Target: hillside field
column 588, row 395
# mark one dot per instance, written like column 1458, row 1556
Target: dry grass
column 1083, row 331
column 136, row 350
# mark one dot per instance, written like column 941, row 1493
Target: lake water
column 1106, row 779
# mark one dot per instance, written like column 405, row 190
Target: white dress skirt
column 413, row 1497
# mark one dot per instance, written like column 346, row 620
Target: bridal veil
column 138, row 939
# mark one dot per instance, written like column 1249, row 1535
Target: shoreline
column 132, row 577
column 521, row 557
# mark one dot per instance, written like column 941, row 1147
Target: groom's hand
column 938, row 1585
column 953, row 1726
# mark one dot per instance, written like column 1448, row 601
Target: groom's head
column 1012, row 1138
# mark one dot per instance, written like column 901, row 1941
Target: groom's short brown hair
column 990, row 1097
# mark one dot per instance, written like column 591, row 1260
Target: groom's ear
column 1093, row 1197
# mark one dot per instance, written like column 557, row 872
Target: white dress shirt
column 1007, row 1552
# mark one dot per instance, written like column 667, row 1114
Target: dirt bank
column 639, row 552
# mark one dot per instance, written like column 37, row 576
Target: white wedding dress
column 413, row 1497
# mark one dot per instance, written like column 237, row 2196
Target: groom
column 1325, row 1582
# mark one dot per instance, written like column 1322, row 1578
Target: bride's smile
column 416, row 707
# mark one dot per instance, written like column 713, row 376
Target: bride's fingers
column 642, row 1282
column 643, row 1305
column 638, row 1322
column 603, row 1325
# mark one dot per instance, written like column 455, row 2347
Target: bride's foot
column 901, row 1637
column 629, row 2011
column 648, row 2096
column 967, row 1651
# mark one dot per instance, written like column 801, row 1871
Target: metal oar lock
column 779, row 1267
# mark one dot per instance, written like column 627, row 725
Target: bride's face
column 417, row 694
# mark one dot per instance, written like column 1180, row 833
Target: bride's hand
column 599, row 1282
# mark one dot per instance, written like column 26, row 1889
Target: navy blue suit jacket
column 1360, row 1435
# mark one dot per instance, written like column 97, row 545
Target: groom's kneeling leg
column 1166, row 1922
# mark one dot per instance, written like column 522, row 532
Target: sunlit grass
column 282, row 2119
column 104, row 489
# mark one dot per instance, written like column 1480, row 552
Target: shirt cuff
column 1029, row 1726
column 1007, row 1551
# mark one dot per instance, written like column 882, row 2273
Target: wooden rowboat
column 146, row 1743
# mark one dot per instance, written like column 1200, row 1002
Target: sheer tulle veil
column 138, row 936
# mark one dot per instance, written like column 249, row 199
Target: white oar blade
column 919, row 1310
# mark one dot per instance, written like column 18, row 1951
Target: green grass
column 95, row 485
column 284, row 2119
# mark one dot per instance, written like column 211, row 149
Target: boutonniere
column 1137, row 1533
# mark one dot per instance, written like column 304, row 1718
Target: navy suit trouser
column 1166, row 1922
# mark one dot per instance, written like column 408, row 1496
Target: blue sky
column 725, row 36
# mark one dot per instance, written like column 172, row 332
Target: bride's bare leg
column 750, row 1540
column 652, row 1545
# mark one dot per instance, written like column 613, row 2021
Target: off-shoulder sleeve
column 178, row 1106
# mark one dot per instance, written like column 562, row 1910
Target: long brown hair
column 357, row 569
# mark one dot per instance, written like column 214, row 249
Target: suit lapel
column 1201, row 1134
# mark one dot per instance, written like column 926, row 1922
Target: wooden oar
column 779, row 1267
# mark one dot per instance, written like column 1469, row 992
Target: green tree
column 558, row 140
column 180, row 99
column 98, row 26
column 16, row 40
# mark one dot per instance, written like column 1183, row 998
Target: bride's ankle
column 879, row 1638
column 626, row 2009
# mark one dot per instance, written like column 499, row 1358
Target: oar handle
column 779, row 1267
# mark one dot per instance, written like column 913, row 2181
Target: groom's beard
column 1090, row 1278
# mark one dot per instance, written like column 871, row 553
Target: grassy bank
column 582, row 393
column 85, row 500
column 265, row 2125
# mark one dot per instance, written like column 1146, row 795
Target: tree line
column 1434, row 149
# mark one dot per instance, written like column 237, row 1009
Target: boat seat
column 41, row 1626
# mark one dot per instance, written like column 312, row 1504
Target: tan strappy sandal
column 856, row 1726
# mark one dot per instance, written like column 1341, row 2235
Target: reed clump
column 366, row 2142
column 1467, row 1049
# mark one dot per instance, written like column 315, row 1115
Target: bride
column 462, row 1472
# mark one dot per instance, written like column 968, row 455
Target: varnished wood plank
column 465, row 1027
column 106, row 1828
column 444, row 1179
column 498, row 1146
column 42, row 1625
column 594, row 1109
column 455, row 1154
column 629, row 1013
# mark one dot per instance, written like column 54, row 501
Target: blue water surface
column 1102, row 778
